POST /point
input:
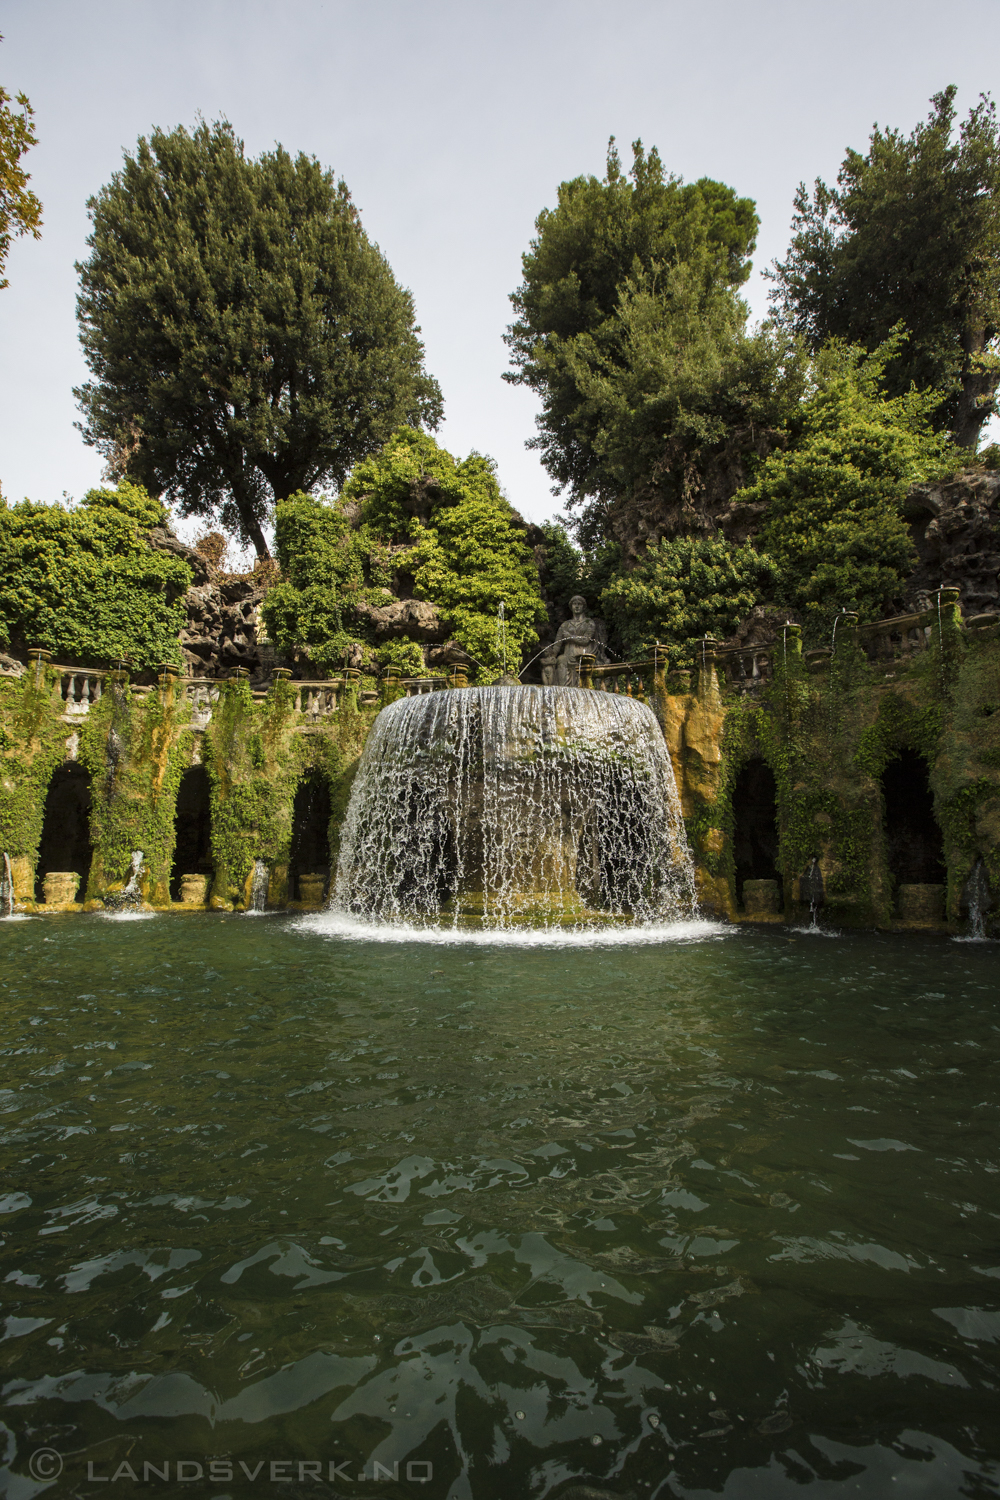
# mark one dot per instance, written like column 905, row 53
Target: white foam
column 336, row 924
column 16, row 916
column 129, row 916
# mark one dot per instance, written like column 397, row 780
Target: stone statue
column 578, row 636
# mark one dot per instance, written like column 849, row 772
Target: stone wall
column 825, row 725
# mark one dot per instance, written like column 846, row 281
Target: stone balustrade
column 79, row 687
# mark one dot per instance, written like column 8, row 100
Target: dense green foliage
column 246, row 338
column 683, row 589
column 410, row 517
column 911, row 234
column 631, row 331
column 833, row 525
column 20, row 210
column 85, row 584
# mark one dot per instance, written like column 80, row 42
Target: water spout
column 130, row 895
column 811, row 890
column 258, row 886
column 6, row 889
column 548, row 805
column 978, row 900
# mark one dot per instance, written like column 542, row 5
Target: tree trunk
column 257, row 536
column 979, row 386
column 248, row 515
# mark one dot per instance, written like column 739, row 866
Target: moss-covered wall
column 137, row 743
column 827, row 732
column 827, row 728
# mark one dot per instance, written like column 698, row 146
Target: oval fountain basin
column 503, row 805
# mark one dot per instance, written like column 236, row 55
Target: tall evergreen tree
column 246, row 339
column 631, row 330
column 910, row 235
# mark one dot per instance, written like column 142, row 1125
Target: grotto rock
column 954, row 525
column 412, row 619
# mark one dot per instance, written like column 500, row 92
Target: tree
column 631, row 330
column 20, row 210
column 911, row 235
column 84, row 583
column 833, row 522
column 244, row 335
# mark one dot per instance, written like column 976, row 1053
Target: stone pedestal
column 762, row 898
column 922, row 904
column 60, row 886
column 311, row 889
column 194, row 889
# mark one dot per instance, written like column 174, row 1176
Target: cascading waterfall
column 508, row 804
column 6, row 888
column 132, row 891
column 258, row 887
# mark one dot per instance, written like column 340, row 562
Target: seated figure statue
column 580, row 635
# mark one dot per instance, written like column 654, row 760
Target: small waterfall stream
column 258, row 887
column 6, row 889
column 510, row 804
column 979, row 900
column 129, row 898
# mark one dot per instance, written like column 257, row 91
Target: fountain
column 977, row 899
column 811, row 890
column 258, row 887
column 545, row 805
column 129, row 898
column 6, row 889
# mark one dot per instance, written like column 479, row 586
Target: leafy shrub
column 833, row 523
column 410, row 513
column 683, row 589
column 84, row 583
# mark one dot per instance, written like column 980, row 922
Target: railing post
column 587, row 664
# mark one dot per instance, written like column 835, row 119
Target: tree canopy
column 247, row 340
column 631, row 330
column 911, row 235
column 833, row 524
column 410, row 518
column 85, row 584
column 20, row 210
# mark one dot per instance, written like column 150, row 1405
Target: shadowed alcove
column 66, row 844
column 755, row 825
column 914, row 847
column 192, row 829
column 310, row 854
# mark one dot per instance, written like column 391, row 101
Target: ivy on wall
column 136, row 749
column 32, row 744
column 256, row 758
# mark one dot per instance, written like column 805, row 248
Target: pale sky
column 453, row 122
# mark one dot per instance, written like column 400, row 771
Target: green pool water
column 716, row 1214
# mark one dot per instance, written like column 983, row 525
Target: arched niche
column 310, row 851
column 755, row 825
column 192, row 829
column 66, row 844
column 914, row 846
